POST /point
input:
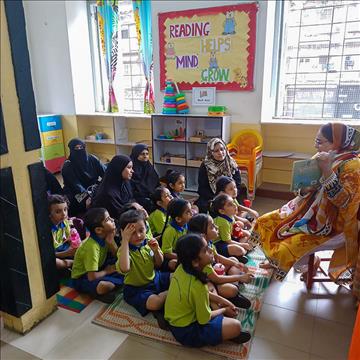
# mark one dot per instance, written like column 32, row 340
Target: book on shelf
column 305, row 173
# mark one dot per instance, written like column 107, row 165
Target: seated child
column 94, row 270
column 224, row 209
column 187, row 306
column 145, row 288
column 161, row 198
column 137, row 206
column 176, row 183
column 227, row 185
column 62, row 232
column 224, row 272
column 179, row 210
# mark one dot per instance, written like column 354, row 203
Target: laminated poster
column 209, row 47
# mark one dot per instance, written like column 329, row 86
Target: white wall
column 58, row 40
column 47, row 35
column 244, row 106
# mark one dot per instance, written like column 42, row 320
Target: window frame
column 278, row 66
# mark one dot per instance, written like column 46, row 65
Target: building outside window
column 319, row 73
column 129, row 82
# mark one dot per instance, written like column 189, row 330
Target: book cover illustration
column 305, row 173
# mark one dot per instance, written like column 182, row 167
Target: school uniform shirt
column 171, row 235
column 149, row 234
column 142, row 267
column 187, row 300
column 157, row 221
column 208, row 269
column 60, row 233
column 90, row 256
column 225, row 225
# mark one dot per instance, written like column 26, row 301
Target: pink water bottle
column 75, row 239
column 219, row 268
column 237, row 232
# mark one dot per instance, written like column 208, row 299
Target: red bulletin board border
column 250, row 8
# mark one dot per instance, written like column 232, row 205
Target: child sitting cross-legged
column 224, row 210
column 179, row 211
column 94, row 270
column 161, row 198
column 224, row 273
column 145, row 288
column 62, row 232
column 187, row 306
column 227, row 185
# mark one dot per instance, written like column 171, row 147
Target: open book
column 305, row 173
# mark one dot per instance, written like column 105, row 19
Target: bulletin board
column 209, row 47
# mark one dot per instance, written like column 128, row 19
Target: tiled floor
column 293, row 324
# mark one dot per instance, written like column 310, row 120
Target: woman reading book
column 302, row 226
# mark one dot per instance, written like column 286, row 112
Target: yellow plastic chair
column 246, row 149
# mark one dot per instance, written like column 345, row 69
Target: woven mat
column 68, row 298
column 123, row 317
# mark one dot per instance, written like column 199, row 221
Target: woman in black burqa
column 115, row 189
column 80, row 172
column 145, row 179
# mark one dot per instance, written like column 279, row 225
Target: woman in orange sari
column 317, row 214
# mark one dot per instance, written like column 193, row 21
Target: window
column 129, row 82
column 319, row 73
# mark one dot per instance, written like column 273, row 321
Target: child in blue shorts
column 187, row 306
column 61, row 231
column 179, row 211
column 224, row 210
column 93, row 270
column 145, row 287
column 161, row 198
column 136, row 206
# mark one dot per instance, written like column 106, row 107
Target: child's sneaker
column 241, row 301
column 159, row 316
column 242, row 338
column 107, row 298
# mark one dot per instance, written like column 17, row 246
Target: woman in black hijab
column 145, row 179
column 115, row 189
column 79, row 172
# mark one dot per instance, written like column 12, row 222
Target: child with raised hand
column 145, row 288
column 227, row 185
column 161, row 198
column 179, row 211
column 224, row 210
column 224, row 273
column 176, row 183
column 187, row 306
column 93, row 270
column 62, row 232
column 136, row 206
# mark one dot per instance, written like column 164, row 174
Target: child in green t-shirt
column 136, row 206
column 179, row 211
column 224, row 210
column 61, row 231
column 145, row 288
column 161, row 198
column 94, row 270
column 233, row 271
column 187, row 306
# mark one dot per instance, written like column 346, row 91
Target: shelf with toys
column 180, row 140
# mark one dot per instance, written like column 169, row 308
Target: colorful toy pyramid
column 169, row 106
column 181, row 105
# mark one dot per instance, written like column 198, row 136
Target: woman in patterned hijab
column 217, row 163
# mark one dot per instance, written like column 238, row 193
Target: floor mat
column 123, row 317
column 70, row 299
